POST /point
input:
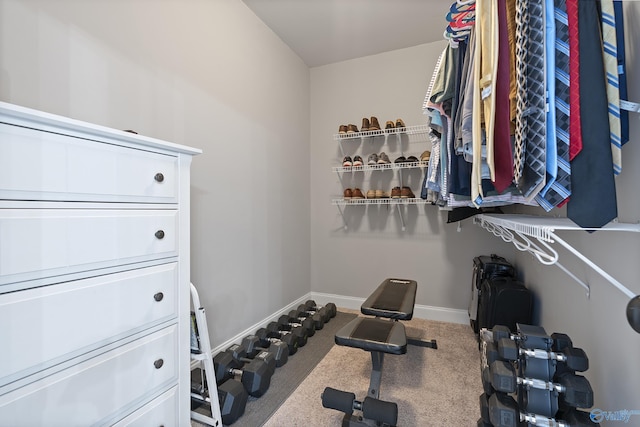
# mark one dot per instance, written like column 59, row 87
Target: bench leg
column 377, row 360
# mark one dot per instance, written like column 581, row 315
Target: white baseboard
column 426, row 312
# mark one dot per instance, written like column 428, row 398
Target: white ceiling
column 327, row 31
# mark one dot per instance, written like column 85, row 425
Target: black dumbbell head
column 237, row 351
column 560, row 341
column 223, row 363
column 577, row 359
column 499, row 332
column 252, row 345
column 256, row 377
column 484, row 408
column 232, row 398
column 280, row 352
column 578, row 392
column 268, row 358
column 486, row 381
column 503, row 410
column 503, row 376
column 508, row 349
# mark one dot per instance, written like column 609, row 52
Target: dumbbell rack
column 205, row 361
column 532, row 378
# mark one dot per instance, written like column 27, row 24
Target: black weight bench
column 393, row 300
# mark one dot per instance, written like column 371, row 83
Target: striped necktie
column 561, row 188
column 610, row 45
column 522, row 36
column 534, row 172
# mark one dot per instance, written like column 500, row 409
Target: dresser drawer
column 39, row 165
column 37, row 243
column 160, row 412
column 93, row 391
column 57, row 322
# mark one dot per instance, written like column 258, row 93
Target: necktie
column 522, row 41
column 561, row 188
column 502, row 140
column 622, row 76
column 593, row 192
column 575, row 133
column 550, row 80
column 533, row 176
column 610, row 46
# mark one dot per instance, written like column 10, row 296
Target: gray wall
column 203, row 73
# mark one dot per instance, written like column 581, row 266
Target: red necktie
column 502, row 139
column 575, row 128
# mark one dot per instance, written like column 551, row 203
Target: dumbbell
column 330, row 307
column 255, row 376
column 321, row 313
column 319, row 318
column 232, row 399
column 239, row 352
column 266, row 339
column 385, row 413
column 277, row 331
column 278, row 349
column 575, row 389
column 503, row 411
column 287, row 322
column 527, row 336
column 574, row 358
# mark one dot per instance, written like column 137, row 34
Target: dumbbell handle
column 540, row 421
column 541, row 384
column 542, row 354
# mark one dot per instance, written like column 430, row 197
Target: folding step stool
column 201, row 354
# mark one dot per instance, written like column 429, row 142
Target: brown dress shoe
column 357, row 194
column 342, row 129
column 389, row 125
column 347, row 193
column 365, row 125
column 395, row 192
column 406, row 193
column 352, row 128
column 374, row 125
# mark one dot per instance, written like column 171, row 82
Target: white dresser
column 94, row 275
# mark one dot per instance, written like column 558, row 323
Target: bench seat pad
column 372, row 334
column 394, row 299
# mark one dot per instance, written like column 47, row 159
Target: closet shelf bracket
column 524, row 231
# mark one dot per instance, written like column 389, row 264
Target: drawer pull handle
column 159, row 177
column 158, row 297
column 158, row 363
column 159, row 234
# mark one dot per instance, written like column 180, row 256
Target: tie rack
column 536, row 234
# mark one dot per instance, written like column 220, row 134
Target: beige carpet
column 431, row 387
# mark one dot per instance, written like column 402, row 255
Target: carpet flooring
column 431, row 387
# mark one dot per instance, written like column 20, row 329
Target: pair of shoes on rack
column 347, row 162
column 370, row 124
column 381, row 159
column 346, row 129
column 410, row 159
column 377, row 194
column 402, row 193
column 356, row 193
column 399, row 124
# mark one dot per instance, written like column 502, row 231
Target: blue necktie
column 561, row 187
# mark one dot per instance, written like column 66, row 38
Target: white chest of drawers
column 94, row 275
